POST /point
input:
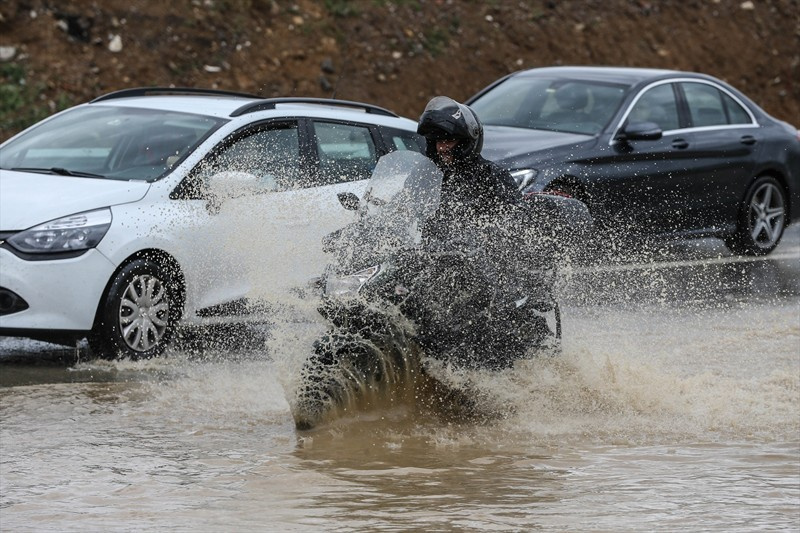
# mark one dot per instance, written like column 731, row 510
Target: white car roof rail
column 165, row 91
column 271, row 103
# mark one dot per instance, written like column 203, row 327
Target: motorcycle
column 400, row 297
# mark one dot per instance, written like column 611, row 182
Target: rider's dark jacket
column 479, row 183
column 480, row 213
column 474, row 191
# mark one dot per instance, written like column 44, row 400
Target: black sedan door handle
column 680, row 144
column 747, row 139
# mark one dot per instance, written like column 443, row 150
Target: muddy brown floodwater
column 674, row 406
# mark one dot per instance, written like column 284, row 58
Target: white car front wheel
column 138, row 315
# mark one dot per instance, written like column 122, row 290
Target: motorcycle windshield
column 403, row 192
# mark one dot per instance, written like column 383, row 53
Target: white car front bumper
column 61, row 294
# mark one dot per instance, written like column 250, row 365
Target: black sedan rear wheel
column 761, row 220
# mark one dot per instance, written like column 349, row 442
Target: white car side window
column 271, row 155
column 346, row 152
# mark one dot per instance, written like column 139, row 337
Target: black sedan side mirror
column 640, row 131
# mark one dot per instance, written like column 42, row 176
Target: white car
column 146, row 209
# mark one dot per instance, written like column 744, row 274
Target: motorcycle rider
column 478, row 197
column 472, row 186
column 482, row 207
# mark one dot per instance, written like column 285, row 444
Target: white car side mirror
column 235, row 184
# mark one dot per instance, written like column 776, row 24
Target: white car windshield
column 108, row 142
column 565, row 105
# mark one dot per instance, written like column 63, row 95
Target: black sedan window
column 657, row 105
column 708, row 106
column 705, row 105
column 736, row 113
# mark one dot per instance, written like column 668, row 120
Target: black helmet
column 444, row 118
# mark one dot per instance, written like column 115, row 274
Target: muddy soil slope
column 395, row 54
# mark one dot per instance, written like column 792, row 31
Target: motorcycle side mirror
column 348, row 200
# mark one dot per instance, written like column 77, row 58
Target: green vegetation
column 413, row 4
column 436, row 39
column 341, row 8
column 21, row 104
column 232, row 6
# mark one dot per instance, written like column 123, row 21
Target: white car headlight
column 524, row 177
column 72, row 233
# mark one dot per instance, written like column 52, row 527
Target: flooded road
column 674, row 406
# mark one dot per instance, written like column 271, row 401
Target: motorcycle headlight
column 351, row 284
column 72, row 233
column 524, row 177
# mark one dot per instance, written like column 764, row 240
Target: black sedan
column 651, row 152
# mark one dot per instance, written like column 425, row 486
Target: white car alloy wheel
column 137, row 316
column 144, row 313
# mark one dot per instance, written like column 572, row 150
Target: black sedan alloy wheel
column 762, row 219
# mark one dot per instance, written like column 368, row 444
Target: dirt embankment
column 395, row 54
